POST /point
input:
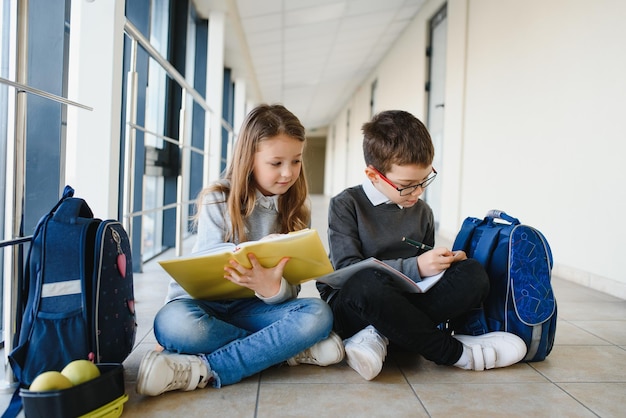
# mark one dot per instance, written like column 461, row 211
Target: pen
column 417, row 244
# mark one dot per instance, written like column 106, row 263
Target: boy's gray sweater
column 357, row 230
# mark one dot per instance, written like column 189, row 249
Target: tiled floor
column 584, row 376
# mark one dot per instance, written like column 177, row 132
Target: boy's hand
column 263, row 281
column 437, row 260
column 459, row 255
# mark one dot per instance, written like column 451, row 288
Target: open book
column 337, row 278
column 202, row 274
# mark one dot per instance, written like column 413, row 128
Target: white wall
column 535, row 92
column 93, row 137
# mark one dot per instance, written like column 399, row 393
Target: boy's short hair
column 396, row 137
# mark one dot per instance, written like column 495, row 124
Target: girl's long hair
column 262, row 123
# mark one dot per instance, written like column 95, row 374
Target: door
column 435, row 87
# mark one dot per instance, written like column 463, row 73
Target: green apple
column 80, row 371
column 51, row 380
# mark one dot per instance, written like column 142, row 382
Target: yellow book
column 202, row 275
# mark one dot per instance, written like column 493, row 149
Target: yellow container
column 111, row 410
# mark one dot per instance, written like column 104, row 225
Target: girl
column 221, row 342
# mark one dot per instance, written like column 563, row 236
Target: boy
column 370, row 220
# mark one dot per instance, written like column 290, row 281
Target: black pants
column 410, row 320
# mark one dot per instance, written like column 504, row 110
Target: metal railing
column 138, row 39
column 17, row 192
column 10, row 286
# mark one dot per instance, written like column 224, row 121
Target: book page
column 223, row 247
column 338, row 277
column 430, row 281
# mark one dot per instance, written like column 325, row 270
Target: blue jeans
column 410, row 320
column 241, row 337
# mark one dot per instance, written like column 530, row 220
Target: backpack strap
column 486, row 244
column 68, row 192
column 489, row 238
column 71, row 209
column 464, row 237
column 15, row 405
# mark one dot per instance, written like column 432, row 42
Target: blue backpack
column 519, row 263
column 76, row 298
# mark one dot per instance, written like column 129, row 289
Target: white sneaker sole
column 145, row 365
column 331, row 347
column 363, row 362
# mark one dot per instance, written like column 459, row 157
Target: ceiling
column 310, row 55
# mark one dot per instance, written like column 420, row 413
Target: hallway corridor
column 584, row 376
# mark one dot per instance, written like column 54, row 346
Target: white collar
column 375, row 196
column 267, row 202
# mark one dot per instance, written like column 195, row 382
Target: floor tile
column 577, row 364
column 498, row 400
column 591, row 311
column 368, row 399
column 422, row 371
column 570, row 333
column 337, row 373
column 231, row 401
column 613, row 332
column 605, row 399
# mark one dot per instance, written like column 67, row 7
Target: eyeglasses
column 404, row 191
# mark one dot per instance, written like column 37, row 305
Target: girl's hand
column 263, row 281
column 437, row 260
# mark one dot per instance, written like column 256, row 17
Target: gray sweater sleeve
column 212, row 222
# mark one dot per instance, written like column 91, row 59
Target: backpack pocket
column 48, row 346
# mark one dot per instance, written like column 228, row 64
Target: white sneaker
column 162, row 371
column 491, row 350
column 324, row 353
column 365, row 352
